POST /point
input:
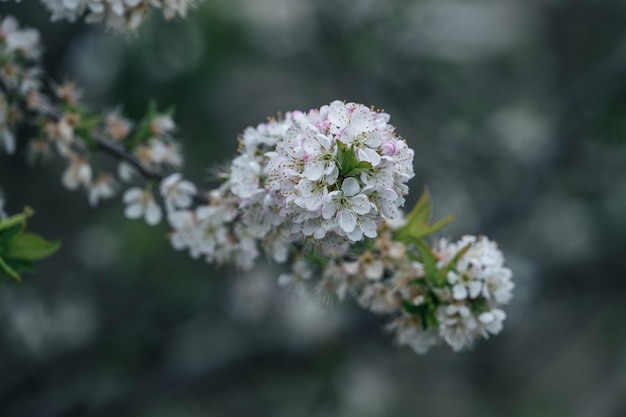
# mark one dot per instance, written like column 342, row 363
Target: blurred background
column 517, row 113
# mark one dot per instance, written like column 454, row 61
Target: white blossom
column 78, row 173
column 479, row 271
column 102, row 187
column 457, row 326
column 176, row 192
column 141, row 203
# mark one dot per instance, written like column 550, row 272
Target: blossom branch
column 322, row 190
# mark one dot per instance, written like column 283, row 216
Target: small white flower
column 346, row 205
column 77, row 174
column 378, row 298
column 102, row 187
column 25, row 41
column 491, row 321
column 300, row 272
column 162, row 125
column 141, row 203
column 457, row 326
column 409, row 332
column 126, row 171
column 245, row 176
column 176, row 192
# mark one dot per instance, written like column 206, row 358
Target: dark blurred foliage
column 517, row 113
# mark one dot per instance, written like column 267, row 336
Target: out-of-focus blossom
column 141, row 203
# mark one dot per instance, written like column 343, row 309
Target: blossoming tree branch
column 322, row 191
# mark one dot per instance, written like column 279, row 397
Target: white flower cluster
column 322, row 189
column 116, row 14
column 476, row 286
column 339, row 170
column 328, row 178
column 425, row 312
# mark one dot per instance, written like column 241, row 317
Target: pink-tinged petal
column 350, row 187
column 388, row 149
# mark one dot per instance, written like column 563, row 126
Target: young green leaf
column 30, row 247
column 418, row 224
column 428, row 259
column 17, row 219
column 5, row 269
column 7, row 234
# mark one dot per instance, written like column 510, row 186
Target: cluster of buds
column 121, row 15
column 322, row 190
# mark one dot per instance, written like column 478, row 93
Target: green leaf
column 5, row 269
column 411, row 308
column 440, row 224
column 7, row 234
column 30, row 247
column 360, row 167
column 423, row 209
column 349, row 164
column 426, row 313
column 418, row 224
column 143, row 131
column 20, row 266
column 428, row 259
column 17, row 219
